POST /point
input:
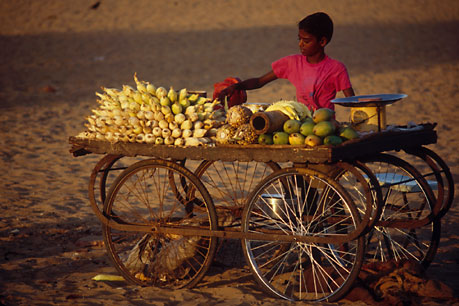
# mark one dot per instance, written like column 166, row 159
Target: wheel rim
column 303, row 271
column 229, row 183
column 153, row 193
column 406, row 201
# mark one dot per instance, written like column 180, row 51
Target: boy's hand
column 227, row 92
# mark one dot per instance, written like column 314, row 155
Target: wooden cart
column 307, row 217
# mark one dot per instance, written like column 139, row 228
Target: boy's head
column 319, row 25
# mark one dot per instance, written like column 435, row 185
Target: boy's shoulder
column 334, row 61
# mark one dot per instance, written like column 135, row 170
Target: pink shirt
column 316, row 84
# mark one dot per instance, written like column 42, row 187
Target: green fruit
column 307, row 127
column 280, row 138
column 292, row 126
column 332, row 140
column 296, row 139
column 313, row 140
column 265, row 139
column 323, row 129
column 349, row 133
column 307, row 119
column 322, row 114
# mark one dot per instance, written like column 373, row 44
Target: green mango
column 322, row 114
column 333, row 140
column 323, row 129
column 280, row 138
column 296, row 139
column 313, row 141
column 265, row 139
column 348, row 133
column 307, row 127
column 291, row 126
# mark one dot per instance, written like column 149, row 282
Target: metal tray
column 369, row 100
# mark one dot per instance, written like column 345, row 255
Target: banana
column 293, row 109
column 284, row 109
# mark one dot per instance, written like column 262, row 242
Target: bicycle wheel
column 98, row 180
column 229, row 183
column 152, row 192
column 298, row 201
column 437, row 174
column 407, row 228
column 364, row 189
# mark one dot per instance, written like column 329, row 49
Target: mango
column 348, row 133
column 313, row 140
column 322, row 114
column 291, row 126
column 296, row 139
column 332, row 140
column 307, row 127
column 265, row 139
column 280, row 138
column 323, row 129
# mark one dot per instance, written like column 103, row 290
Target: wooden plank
column 370, row 144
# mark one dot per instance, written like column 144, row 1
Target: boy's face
column 309, row 45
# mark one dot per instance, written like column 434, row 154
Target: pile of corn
column 147, row 114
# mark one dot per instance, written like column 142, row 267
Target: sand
column 55, row 54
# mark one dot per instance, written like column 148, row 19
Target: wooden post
column 268, row 122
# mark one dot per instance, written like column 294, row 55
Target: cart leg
column 152, row 192
column 302, row 202
column 407, row 228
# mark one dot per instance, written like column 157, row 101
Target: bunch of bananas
column 294, row 110
column 147, row 114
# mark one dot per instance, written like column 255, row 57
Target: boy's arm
column 348, row 92
column 248, row 84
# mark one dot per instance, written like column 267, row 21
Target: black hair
column 318, row 24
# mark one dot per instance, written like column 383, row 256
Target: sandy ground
column 50, row 241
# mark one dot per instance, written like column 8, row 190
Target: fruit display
column 155, row 115
column 306, row 128
column 149, row 114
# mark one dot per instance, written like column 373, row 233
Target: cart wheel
column 364, row 189
column 407, row 228
column 437, row 175
column 99, row 175
column 298, row 201
column 229, row 183
column 150, row 193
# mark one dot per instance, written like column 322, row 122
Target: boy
column 316, row 76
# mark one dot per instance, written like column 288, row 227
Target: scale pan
column 369, row 100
